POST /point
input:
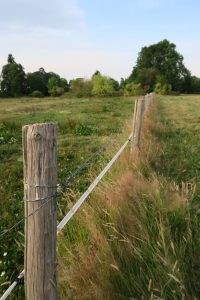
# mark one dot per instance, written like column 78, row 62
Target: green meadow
column 85, row 126
column 137, row 236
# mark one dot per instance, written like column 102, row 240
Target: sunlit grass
column 137, row 236
column 85, row 126
column 142, row 226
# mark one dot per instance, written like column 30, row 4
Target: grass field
column 84, row 127
column 178, row 161
column 180, row 141
column 137, row 237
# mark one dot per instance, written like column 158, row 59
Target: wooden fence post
column 40, row 180
column 134, row 123
column 145, row 103
column 140, row 109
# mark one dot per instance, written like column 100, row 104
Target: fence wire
column 72, row 211
column 63, row 187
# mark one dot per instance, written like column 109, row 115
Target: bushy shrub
column 37, row 94
column 57, row 91
column 56, row 86
column 81, row 87
column 134, row 89
column 103, row 86
column 163, row 89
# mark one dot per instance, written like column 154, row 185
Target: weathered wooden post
column 147, row 102
column 40, row 180
column 152, row 97
column 134, row 123
column 138, row 119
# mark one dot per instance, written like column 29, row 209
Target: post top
column 40, row 125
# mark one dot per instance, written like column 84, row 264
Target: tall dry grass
column 134, row 238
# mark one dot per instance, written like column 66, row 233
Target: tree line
column 159, row 67
column 15, row 82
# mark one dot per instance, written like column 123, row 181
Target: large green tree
column 56, row 85
column 13, row 79
column 160, row 63
column 37, row 81
column 195, row 84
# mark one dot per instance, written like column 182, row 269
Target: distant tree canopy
column 46, row 83
column 13, row 79
column 159, row 67
column 161, row 63
column 14, row 82
column 37, row 81
column 56, row 85
column 81, row 87
column 103, row 85
column 98, row 85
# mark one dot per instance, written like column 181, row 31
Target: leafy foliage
column 103, row 85
column 37, row 94
column 37, row 81
column 13, row 80
column 56, row 85
column 194, row 85
column 163, row 89
column 81, row 87
column 158, row 67
column 160, row 59
column 134, row 89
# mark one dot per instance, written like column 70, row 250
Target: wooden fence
column 40, row 187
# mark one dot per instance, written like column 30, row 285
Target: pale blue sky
column 76, row 37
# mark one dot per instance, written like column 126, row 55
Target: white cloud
column 31, row 28
column 25, row 15
column 34, row 30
